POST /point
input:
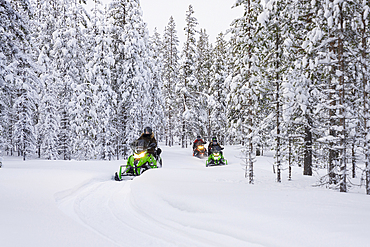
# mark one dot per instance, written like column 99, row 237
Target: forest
column 291, row 77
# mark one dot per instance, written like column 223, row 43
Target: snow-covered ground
column 76, row 204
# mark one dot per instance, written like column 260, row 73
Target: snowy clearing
column 75, row 203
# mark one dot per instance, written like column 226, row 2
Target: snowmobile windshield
column 139, row 146
column 199, row 143
column 216, row 149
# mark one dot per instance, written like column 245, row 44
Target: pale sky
column 213, row 15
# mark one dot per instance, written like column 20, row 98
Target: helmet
column 148, row 131
column 214, row 139
column 198, row 137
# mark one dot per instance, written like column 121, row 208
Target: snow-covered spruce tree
column 187, row 84
column 203, row 77
column 20, row 75
column 156, row 117
column 71, row 57
column 12, row 32
column 24, row 108
column 336, row 58
column 356, row 97
column 246, row 96
column 217, row 94
column 48, row 128
column 275, row 19
column 341, row 14
column 44, row 25
column 51, row 39
column 314, row 92
column 333, row 43
column 131, row 75
column 170, row 79
column 301, row 89
column 98, row 73
column 361, row 24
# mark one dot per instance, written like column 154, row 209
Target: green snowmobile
column 139, row 162
column 216, row 158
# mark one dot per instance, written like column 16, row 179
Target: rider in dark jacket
column 212, row 144
column 149, row 138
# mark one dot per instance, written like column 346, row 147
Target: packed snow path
column 70, row 203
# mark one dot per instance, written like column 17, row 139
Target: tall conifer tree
column 188, row 83
column 170, row 79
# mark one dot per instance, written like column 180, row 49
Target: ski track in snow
column 183, row 204
column 111, row 209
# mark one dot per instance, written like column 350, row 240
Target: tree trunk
column 290, row 159
column 343, row 142
column 353, row 159
column 365, row 86
column 278, row 144
column 307, row 163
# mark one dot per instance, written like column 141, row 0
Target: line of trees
column 301, row 67
column 292, row 76
column 75, row 84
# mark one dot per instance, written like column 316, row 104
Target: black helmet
column 148, row 131
column 214, row 139
column 198, row 137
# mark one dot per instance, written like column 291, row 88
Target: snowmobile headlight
column 139, row 155
column 201, row 147
column 216, row 154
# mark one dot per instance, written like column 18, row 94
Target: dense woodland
column 291, row 76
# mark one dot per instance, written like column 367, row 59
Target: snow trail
column 185, row 203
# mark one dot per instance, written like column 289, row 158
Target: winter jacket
column 149, row 139
column 196, row 142
column 211, row 145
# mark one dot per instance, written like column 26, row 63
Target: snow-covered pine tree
column 170, row 79
column 24, row 108
column 156, row 117
column 335, row 56
column 48, row 128
column 340, row 16
column 44, row 25
column 13, row 31
column 318, row 76
column 301, row 90
column 72, row 57
column 131, row 75
column 275, row 19
column 98, row 73
column 216, row 90
column 361, row 24
column 247, row 92
column 187, row 84
column 51, row 41
column 21, row 74
column 355, row 80
column 203, row 77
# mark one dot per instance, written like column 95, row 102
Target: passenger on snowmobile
column 198, row 147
